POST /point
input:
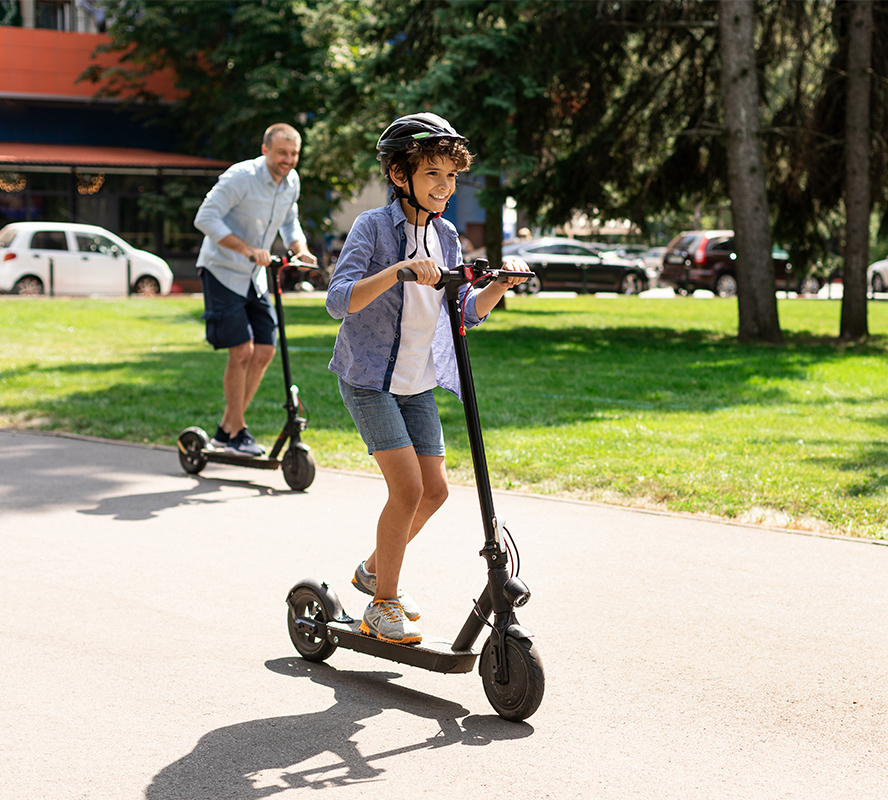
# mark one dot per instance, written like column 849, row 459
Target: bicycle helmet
column 413, row 128
column 397, row 137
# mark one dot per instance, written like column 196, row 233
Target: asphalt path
column 144, row 649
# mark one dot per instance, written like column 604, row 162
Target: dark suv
column 707, row 260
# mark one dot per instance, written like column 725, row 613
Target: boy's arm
column 367, row 289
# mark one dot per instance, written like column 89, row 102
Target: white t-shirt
column 415, row 368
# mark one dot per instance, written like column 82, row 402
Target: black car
column 559, row 263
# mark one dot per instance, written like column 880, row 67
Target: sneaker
column 220, row 440
column 366, row 583
column 244, row 445
column 385, row 620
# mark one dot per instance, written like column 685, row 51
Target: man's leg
column 243, row 373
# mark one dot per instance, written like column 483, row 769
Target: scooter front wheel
column 522, row 693
column 306, row 603
column 298, row 467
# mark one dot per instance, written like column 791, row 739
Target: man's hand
column 301, row 253
column 261, row 257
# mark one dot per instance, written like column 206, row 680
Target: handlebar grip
column 407, row 274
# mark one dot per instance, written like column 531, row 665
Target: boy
column 394, row 346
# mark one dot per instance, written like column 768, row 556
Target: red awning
column 21, row 155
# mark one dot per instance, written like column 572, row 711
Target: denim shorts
column 389, row 421
column 232, row 319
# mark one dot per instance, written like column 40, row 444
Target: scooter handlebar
column 279, row 261
column 466, row 273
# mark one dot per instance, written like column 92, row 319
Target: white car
column 67, row 258
column 877, row 276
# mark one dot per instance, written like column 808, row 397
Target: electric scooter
column 510, row 666
column 195, row 450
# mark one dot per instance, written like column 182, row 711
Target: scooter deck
column 433, row 656
column 258, row 462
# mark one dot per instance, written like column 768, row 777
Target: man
column 250, row 204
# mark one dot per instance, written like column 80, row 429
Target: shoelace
column 390, row 609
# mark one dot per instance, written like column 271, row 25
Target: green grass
column 642, row 402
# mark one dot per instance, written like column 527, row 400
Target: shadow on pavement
column 136, row 507
column 262, row 758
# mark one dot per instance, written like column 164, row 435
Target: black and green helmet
column 415, row 128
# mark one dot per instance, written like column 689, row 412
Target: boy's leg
column 417, row 487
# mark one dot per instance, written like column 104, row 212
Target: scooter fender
column 517, row 631
column 325, row 594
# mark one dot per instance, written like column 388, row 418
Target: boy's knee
column 437, row 494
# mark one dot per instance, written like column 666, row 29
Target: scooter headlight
column 516, row 592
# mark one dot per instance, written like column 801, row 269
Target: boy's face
column 433, row 184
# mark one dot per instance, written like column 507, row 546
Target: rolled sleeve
column 224, row 196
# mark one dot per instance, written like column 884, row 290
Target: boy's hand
column 513, row 264
column 427, row 271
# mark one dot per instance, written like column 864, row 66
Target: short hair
column 288, row 132
column 407, row 161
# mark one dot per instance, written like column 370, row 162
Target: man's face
column 281, row 156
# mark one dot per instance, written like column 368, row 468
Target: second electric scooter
column 510, row 666
column 298, row 466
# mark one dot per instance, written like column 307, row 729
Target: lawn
column 646, row 402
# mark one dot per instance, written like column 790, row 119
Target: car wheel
column 878, row 283
column 726, row 286
column 532, row 285
column 29, row 285
column 809, row 285
column 631, row 284
column 146, row 286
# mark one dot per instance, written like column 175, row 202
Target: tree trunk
column 857, row 164
column 493, row 226
column 756, row 290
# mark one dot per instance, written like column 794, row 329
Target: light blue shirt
column 367, row 343
column 248, row 203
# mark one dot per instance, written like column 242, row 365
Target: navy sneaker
column 244, row 445
column 220, row 439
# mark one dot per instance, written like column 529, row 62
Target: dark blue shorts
column 232, row 319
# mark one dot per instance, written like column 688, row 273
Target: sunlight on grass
column 643, row 402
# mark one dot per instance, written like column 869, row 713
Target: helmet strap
column 430, row 215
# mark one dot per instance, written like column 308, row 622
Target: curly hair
column 408, row 161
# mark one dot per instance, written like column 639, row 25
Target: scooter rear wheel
column 299, row 468
column 517, row 699
column 192, row 442
column 305, row 603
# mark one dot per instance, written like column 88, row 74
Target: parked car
column 707, row 260
column 653, row 261
column 559, row 263
column 71, row 259
column 877, row 276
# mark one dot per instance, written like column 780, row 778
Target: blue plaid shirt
column 367, row 344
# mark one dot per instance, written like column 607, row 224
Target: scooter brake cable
column 462, row 318
column 514, row 555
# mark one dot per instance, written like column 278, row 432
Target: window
column 88, row 243
column 722, row 245
column 49, row 240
